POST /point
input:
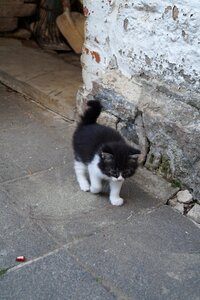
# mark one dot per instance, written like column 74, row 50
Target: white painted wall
column 160, row 39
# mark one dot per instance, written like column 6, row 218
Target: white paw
column 84, row 186
column 117, row 201
column 95, row 190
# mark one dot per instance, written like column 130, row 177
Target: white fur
column 81, row 175
column 115, row 188
column 96, row 177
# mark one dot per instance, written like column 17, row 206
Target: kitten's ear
column 106, row 156
column 106, row 153
column 134, row 153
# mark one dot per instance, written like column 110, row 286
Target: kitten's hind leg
column 81, row 170
column 115, row 188
column 95, row 179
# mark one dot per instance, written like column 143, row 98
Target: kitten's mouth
column 120, row 178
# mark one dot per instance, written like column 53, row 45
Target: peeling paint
column 86, row 11
column 147, row 60
column 184, row 35
column 95, row 55
column 167, row 9
column 175, row 13
column 126, row 24
column 146, row 7
column 86, row 50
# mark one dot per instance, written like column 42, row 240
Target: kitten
column 103, row 153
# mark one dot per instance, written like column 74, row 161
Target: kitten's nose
column 120, row 178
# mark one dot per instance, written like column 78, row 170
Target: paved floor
column 76, row 244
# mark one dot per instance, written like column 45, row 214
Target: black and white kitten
column 101, row 152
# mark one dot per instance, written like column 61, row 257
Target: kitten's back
column 90, row 136
column 89, row 139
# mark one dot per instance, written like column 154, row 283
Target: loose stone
column 184, row 196
column 179, row 207
column 194, row 213
column 172, row 202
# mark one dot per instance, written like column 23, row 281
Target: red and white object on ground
column 21, row 258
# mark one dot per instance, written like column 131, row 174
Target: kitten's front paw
column 84, row 186
column 117, row 201
column 95, row 190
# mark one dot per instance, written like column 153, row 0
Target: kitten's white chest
column 96, row 176
column 94, row 170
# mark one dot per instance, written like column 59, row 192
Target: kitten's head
column 118, row 160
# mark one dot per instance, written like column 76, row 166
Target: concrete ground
column 78, row 246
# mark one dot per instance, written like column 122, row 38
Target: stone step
column 32, row 72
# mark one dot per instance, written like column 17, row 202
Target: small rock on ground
column 184, row 196
column 172, row 202
column 194, row 213
column 179, row 207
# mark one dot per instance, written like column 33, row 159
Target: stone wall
column 142, row 59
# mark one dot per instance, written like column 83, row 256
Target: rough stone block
column 173, row 129
column 116, row 104
column 194, row 213
column 108, row 120
column 128, row 130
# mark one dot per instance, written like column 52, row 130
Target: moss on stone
column 151, row 159
column 176, row 183
column 165, row 168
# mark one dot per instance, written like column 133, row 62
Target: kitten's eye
column 107, row 157
column 115, row 174
column 127, row 173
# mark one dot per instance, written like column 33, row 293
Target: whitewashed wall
column 158, row 38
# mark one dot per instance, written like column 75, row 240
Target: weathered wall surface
column 142, row 58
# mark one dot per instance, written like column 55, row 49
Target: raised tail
column 91, row 114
